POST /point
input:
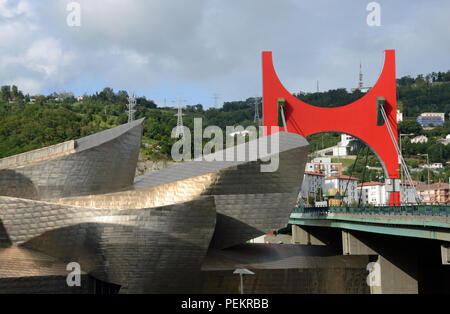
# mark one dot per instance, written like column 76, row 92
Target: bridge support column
column 301, row 235
column 393, row 189
column 395, row 266
column 306, row 235
column 445, row 253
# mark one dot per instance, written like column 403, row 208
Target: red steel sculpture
column 361, row 119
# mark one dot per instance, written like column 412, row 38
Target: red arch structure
column 358, row 119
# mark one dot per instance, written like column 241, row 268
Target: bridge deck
column 429, row 222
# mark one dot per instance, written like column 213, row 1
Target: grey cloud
column 216, row 45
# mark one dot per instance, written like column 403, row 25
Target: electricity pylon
column 131, row 105
column 179, row 115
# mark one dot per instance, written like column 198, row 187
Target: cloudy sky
column 165, row 49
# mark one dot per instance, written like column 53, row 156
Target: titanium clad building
column 100, row 163
column 76, row 202
column 249, row 202
column 143, row 250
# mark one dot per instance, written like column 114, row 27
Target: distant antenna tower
column 360, row 86
column 131, row 105
column 180, row 128
column 257, row 118
column 317, row 85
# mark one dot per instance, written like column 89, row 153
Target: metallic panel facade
column 151, row 236
column 249, row 202
column 142, row 250
column 101, row 163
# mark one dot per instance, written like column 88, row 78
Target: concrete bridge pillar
column 445, row 253
column 316, row 236
column 394, row 265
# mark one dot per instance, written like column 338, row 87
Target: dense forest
column 430, row 93
column 28, row 123
column 31, row 122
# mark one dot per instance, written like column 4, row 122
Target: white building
column 408, row 192
column 343, row 147
column 419, row 139
column 373, row 193
column 436, row 165
column 444, row 141
column 325, row 166
column 433, row 114
column 339, row 151
column 431, row 119
column 312, row 181
column 346, row 184
column 437, row 193
column 346, row 139
column 399, row 116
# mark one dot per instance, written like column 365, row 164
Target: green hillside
column 28, row 123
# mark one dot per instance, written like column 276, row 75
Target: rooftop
column 341, row 177
column 314, row 173
column 373, row 183
column 435, row 186
column 407, row 183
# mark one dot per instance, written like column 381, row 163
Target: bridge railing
column 430, row 210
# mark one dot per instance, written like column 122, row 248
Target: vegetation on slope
column 28, row 123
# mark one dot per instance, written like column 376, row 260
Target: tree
column 122, row 97
column 319, row 194
column 123, row 118
column 310, row 200
column 405, row 81
column 107, row 95
column 14, row 92
column 5, row 92
column 149, row 104
column 409, row 126
column 420, row 81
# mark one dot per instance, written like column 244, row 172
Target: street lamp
column 428, row 165
column 241, row 273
